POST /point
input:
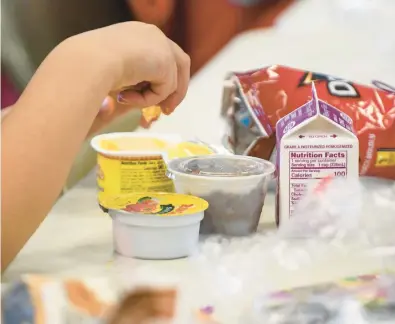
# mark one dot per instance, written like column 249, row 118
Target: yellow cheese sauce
column 133, row 144
column 186, row 149
column 183, row 149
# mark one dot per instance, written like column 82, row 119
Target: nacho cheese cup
column 154, row 225
column 136, row 162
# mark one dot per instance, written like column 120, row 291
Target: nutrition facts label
column 131, row 174
column 144, row 175
column 307, row 166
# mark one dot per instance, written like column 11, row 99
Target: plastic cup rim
column 269, row 169
column 95, row 144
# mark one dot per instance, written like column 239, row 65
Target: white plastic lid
column 220, row 166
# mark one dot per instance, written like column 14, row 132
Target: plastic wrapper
column 368, row 299
column 341, row 211
column 341, row 228
column 331, row 210
column 340, row 220
column 356, row 220
column 254, row 101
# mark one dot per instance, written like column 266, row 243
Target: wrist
column 86, row 56
column 74, row 77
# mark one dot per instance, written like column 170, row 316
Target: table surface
column 76, row 238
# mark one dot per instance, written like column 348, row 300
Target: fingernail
column 144, row 123
column 105, row 104
column 107, row 108
column 166, row 110
column 122, row 100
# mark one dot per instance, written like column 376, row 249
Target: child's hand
column 135, row 52
column 110, row 110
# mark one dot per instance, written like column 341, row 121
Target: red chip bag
column 261, row 97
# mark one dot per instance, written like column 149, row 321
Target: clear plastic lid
column 221, row 166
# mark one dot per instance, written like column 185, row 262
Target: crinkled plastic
column 342, row 210
column 341, row 217
column 341, row 228
column 357, row 300
column 331, row 210
column 352, row 218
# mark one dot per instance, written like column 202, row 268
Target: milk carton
column 313, row 142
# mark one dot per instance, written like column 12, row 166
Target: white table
column 76, row 238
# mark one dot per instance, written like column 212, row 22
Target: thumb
column 111, row 109
column 107, row 107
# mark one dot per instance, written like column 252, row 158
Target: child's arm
column 43, row 134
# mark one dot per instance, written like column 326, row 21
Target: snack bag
column 255, row 101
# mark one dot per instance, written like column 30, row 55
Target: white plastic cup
column 235, row 202
column 155, row 226
column 153, row 237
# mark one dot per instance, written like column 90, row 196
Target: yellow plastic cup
column 136, row 162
